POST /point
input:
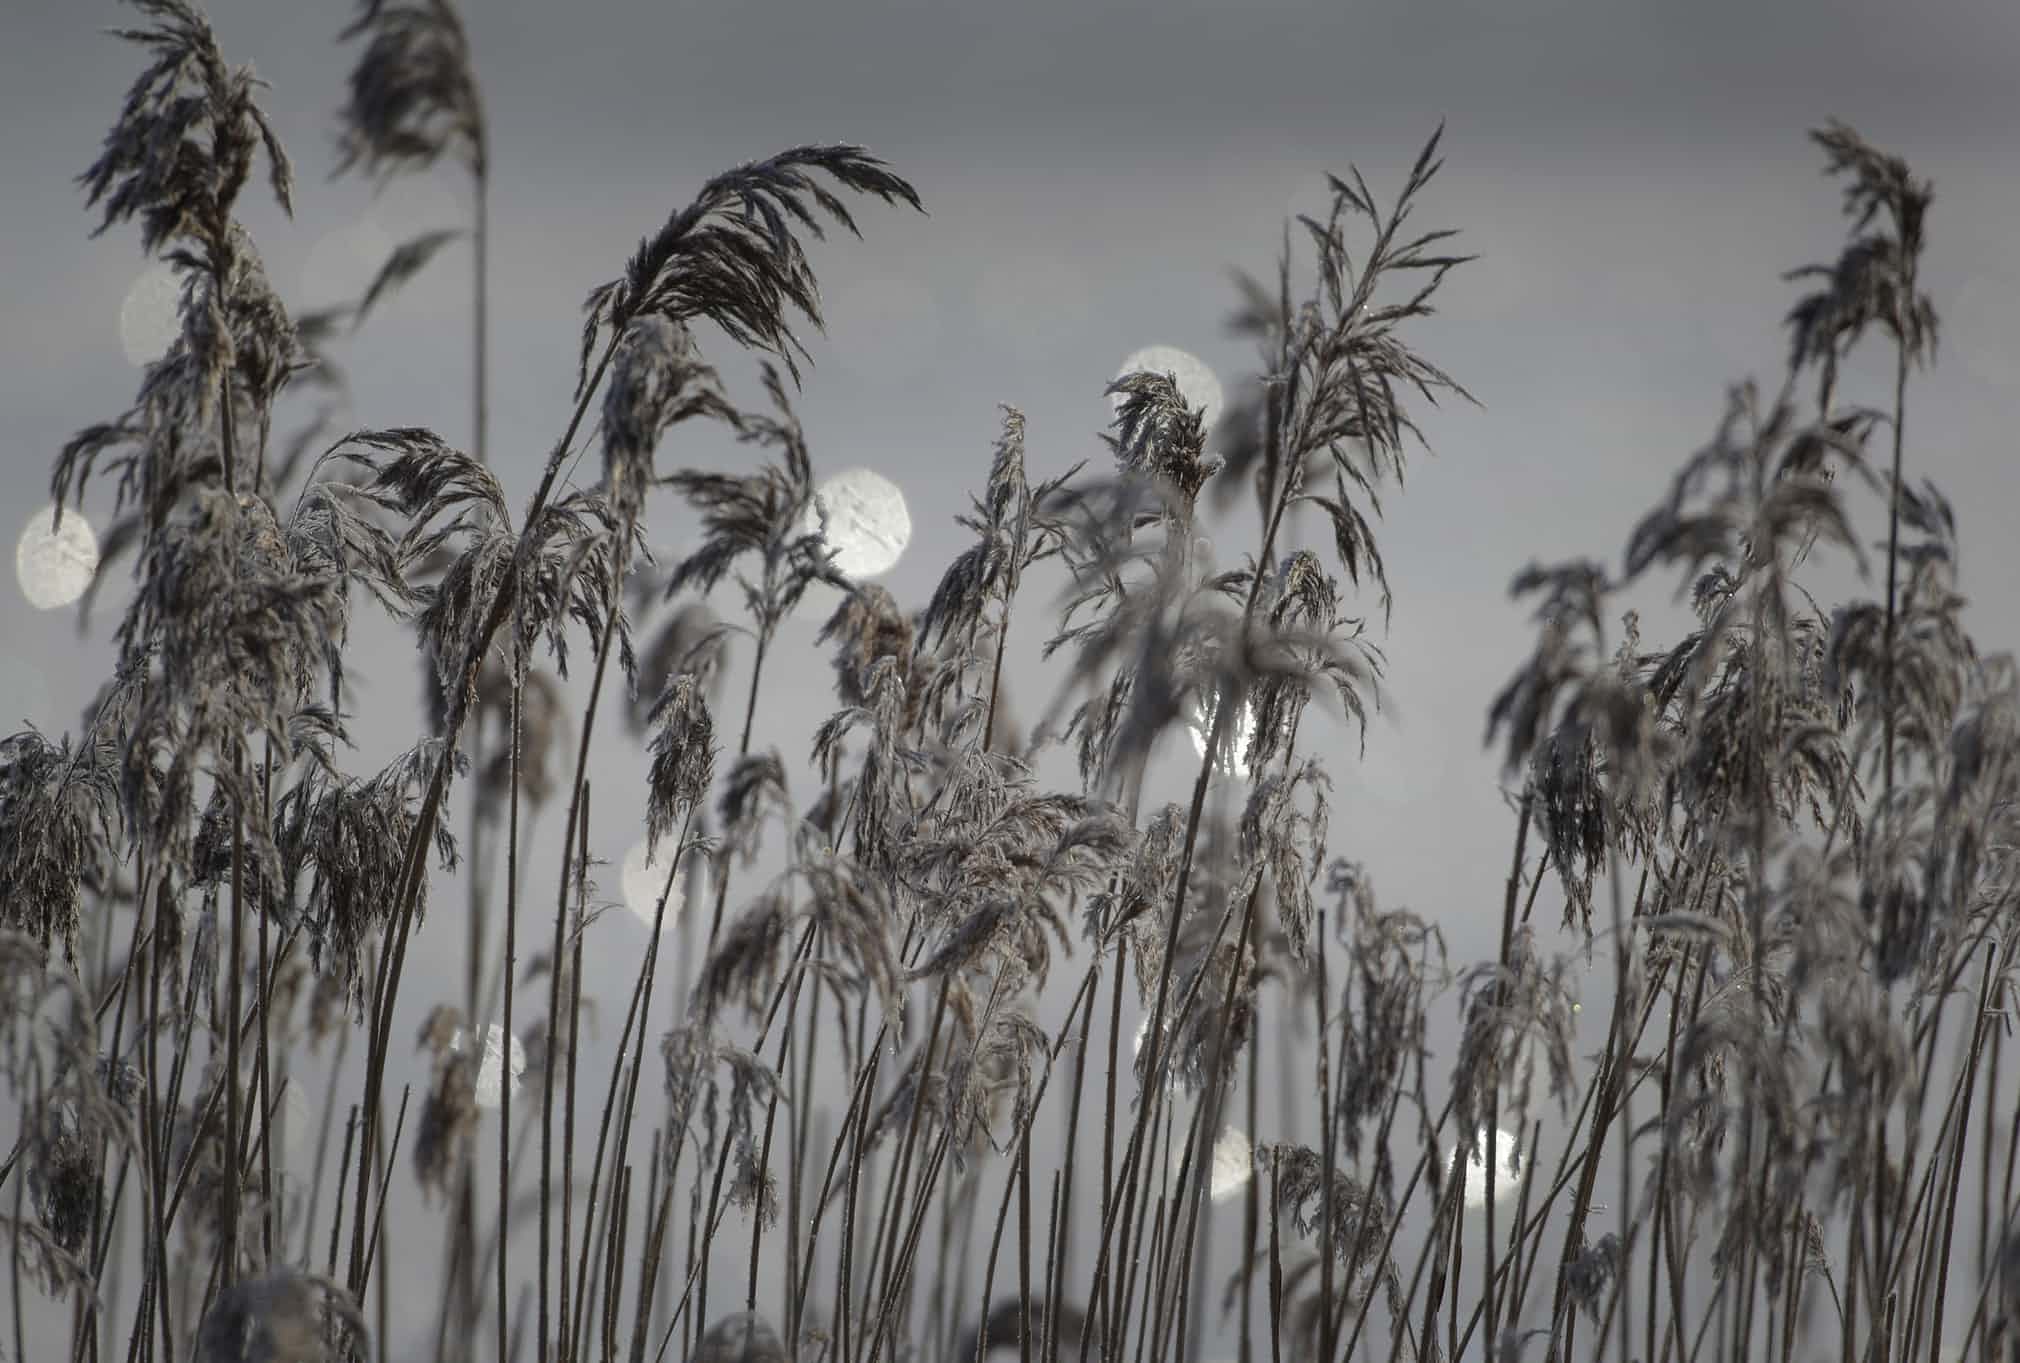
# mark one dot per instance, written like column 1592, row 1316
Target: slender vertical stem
column 234, row 1177
column 1904, row 303
column 263, row 1058
column 1901, row 355
column 757, row 669
column 385, row 990
column 801, row 1118
column 1023, row 1177
column 844, row 1286
column 1511, row 892
column 480, row 416
column 786, row 1039
column 511, row 970
column 1055, row 1291
column 1250, row 1219
column 381, row 1248
column 480, row 307
column 473, row 963
column 571, row 1020
column 461, row 1300
column 1101, row 1303
column 1276, row 1266
column 155, row 1134
column 15, row 1252
column 996, row 679
column 546, row 1338
column 1326, row 1241
column 884, row 1243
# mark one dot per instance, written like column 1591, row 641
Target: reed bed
column 877, row 1089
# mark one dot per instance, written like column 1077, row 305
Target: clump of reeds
column 1783, row 841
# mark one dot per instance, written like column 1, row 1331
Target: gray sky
column 1634, row 176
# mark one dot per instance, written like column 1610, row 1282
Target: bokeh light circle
column 150, row 316
column 55, row 566
column 1507, row 1169
column 1197, row 382
column 490, row 1080
column 868, row 523
column 644, row 876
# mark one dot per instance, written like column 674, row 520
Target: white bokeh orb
column 1142, row 1035
column 1197, row 383
column 1142, row 1031
column 1170, row 1065
column 1232, row 758
column 150, row 316
column 1507, row 1170
column 342, row 263
column 644, row 877
column 1233, row 1163
column 490, row 1081
column 54, row 566
column 868, row 525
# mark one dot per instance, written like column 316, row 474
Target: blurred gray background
column 1634, row 177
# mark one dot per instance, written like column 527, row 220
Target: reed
column 1785, row 840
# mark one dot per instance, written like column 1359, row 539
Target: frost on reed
column 1782, row 844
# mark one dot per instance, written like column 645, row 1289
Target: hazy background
column 1634, row 177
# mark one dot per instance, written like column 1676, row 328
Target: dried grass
column 1789, row 835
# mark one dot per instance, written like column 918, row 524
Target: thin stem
column 414, row 869
column 511, row 970
column 233, row 1176
column 757, row 669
